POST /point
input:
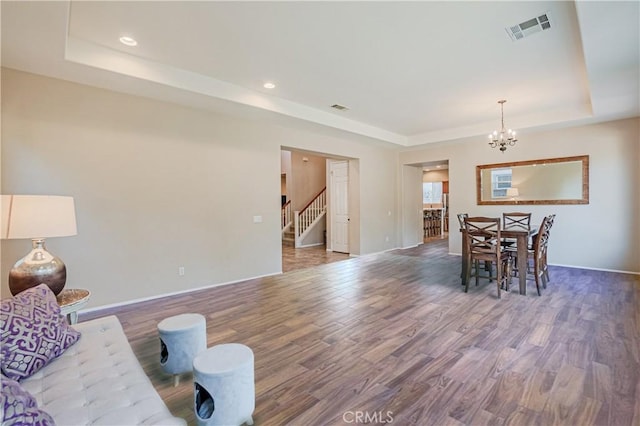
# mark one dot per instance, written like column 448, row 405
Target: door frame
column 353, row 195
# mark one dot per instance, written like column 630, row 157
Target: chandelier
column 503, row 137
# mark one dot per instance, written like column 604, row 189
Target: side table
column 71, row 301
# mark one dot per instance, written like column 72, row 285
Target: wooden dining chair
column 539, row 253
column 519, row 219
column 482, row 239
column 547, row 226
column 461, row 218
column 516, row 219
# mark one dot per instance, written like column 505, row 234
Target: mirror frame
column 585, row 181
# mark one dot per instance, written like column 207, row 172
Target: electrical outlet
column 181, row 271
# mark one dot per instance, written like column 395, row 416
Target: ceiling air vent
column 526, row 28
column 340, row 107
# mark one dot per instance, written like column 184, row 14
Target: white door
column 339, row 175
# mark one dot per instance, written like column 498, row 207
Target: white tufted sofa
column 99, row 381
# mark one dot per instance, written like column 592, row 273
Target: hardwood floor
column 393, row 338
column 302, row 258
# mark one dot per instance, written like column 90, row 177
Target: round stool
column 182, row 337
column 224, row 386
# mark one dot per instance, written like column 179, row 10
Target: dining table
column 521, row 234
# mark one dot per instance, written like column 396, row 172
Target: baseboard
column 175, row 293
column 311, row 245
column 617, row 271
column 580, row 267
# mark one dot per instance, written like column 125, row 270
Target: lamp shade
column 37, row 216
column 512, row 192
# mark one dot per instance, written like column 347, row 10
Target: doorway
column 435, row 201
column 303, row 174
column 425, row 212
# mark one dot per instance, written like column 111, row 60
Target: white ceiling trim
column 93, row 55
column 520, row 123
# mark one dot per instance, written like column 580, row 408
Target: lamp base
column 38, row 267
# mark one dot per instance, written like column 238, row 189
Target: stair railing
column 305, row 218
column 286, row 217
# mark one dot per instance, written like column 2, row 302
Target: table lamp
column 513, row 193
column 37, row 217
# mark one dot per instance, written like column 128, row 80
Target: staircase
column 286, row 223
column 296, row 228
column 289, row 238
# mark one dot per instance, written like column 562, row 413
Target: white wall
column 285, row 173
column 412, row 213
column 158, row 186
column 435, row 176
column 604, row 234
column 308, row 178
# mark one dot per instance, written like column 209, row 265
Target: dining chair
column 516, row 219
column 461, row 218
column 547, row 225
column 539, row 253
column 482, row 239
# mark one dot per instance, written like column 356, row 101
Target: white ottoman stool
column 224, row 386
column 182, row 337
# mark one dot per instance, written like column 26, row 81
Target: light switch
column 257, row 219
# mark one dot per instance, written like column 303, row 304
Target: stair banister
column 311, row 213
column 286, row 217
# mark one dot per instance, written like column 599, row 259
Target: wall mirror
column 546, row 181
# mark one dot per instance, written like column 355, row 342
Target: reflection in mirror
column 546, row 181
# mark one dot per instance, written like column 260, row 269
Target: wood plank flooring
column 302, row 258
column 393, row 337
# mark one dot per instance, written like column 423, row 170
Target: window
column 500, row 181
column 431, row 192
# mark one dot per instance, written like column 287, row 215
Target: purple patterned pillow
column 19, row 407
column 33, row 332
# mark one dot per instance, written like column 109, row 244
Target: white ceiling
column 410, row 72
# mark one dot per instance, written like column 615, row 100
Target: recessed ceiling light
column 128, row 41
column 269, row 85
